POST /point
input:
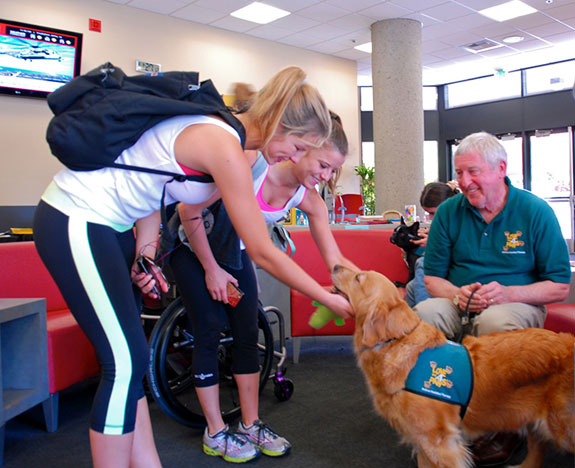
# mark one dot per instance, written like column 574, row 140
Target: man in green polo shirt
column 501, row 243
column 497, row 240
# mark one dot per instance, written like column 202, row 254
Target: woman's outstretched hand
column 339, row 305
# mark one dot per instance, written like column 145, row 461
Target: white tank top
column 120, row 197
column 272, row 213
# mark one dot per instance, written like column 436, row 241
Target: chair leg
column 50, row 407
column 296, row 348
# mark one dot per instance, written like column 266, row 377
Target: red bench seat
column 71, row 357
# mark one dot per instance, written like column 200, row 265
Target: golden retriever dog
column 523, row 380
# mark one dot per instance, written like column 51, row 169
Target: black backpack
column 100, row 114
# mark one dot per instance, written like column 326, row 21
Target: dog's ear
column 400, row 320
column 388, row 320
column 374, row 329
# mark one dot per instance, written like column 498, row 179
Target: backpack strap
column 259, row 166
column 204, row 178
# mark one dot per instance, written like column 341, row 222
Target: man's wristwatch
column 456, row 300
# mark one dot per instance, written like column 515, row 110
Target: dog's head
column 404, row 234
column 380, row 311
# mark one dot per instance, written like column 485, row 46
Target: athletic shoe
column 232, row 447
column 268, row 441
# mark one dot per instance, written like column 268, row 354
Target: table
column 23, row 358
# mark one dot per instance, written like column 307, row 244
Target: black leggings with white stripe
column 209, row 317
column 91, row 264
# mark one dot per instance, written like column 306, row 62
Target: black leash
column 466, row 323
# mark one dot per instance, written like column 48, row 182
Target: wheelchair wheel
column 170, row 376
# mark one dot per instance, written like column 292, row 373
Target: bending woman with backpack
column 278, row 188
column 83, row 230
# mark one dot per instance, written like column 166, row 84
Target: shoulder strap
column 259, row 166
column 205, row 178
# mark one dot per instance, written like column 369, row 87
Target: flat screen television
column 36, row 60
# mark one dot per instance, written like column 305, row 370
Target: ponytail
column 289, row 105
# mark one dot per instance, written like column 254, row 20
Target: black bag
column 100, row 114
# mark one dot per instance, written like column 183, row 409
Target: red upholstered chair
column 348, row 205
column 560, row 318
column 71, row 357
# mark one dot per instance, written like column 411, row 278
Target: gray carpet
column 329, row 420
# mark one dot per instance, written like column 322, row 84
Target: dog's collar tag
column 444, row 373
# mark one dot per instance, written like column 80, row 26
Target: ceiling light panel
column 507, row 11
column 260, row 13
column 364, row 47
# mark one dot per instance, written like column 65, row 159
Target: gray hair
column 485, row 145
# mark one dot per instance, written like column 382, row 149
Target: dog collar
column 383, row 344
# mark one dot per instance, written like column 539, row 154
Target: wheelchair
column 170, row 378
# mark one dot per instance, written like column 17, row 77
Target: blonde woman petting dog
column 83, row 230
column 278, row 188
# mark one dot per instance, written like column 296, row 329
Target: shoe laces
column 264, row 431
column 231, row 439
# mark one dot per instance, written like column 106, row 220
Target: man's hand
column 477, row 304
column 492, row 293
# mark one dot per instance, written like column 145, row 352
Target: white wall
column 129, row 34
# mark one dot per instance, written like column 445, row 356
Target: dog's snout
column 336, row 267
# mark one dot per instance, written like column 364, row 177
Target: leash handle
column 465, row 319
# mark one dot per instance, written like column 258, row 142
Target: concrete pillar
column 397, row 113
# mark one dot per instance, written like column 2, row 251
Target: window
column 513, row 145
column 550, row 164
column 368, row 153
column 429, row 97
column 554, row 77
column 366, row 98
column 430, row 159
column 491, row 88
column 551, row 174
column 430, row 162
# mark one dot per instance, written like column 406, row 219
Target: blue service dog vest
column 444, row 373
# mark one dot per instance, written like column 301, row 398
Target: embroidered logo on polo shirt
column 513, row 240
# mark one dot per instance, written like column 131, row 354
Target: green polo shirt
column 523, row 244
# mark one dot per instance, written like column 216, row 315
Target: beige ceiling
column 334, row 27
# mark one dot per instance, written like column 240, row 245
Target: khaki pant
column 445, row 316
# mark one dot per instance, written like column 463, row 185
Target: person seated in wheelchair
column 219, row 260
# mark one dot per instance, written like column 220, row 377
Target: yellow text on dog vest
column 444, row 373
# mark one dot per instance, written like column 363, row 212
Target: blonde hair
column 338, row 140
column 288, row 104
